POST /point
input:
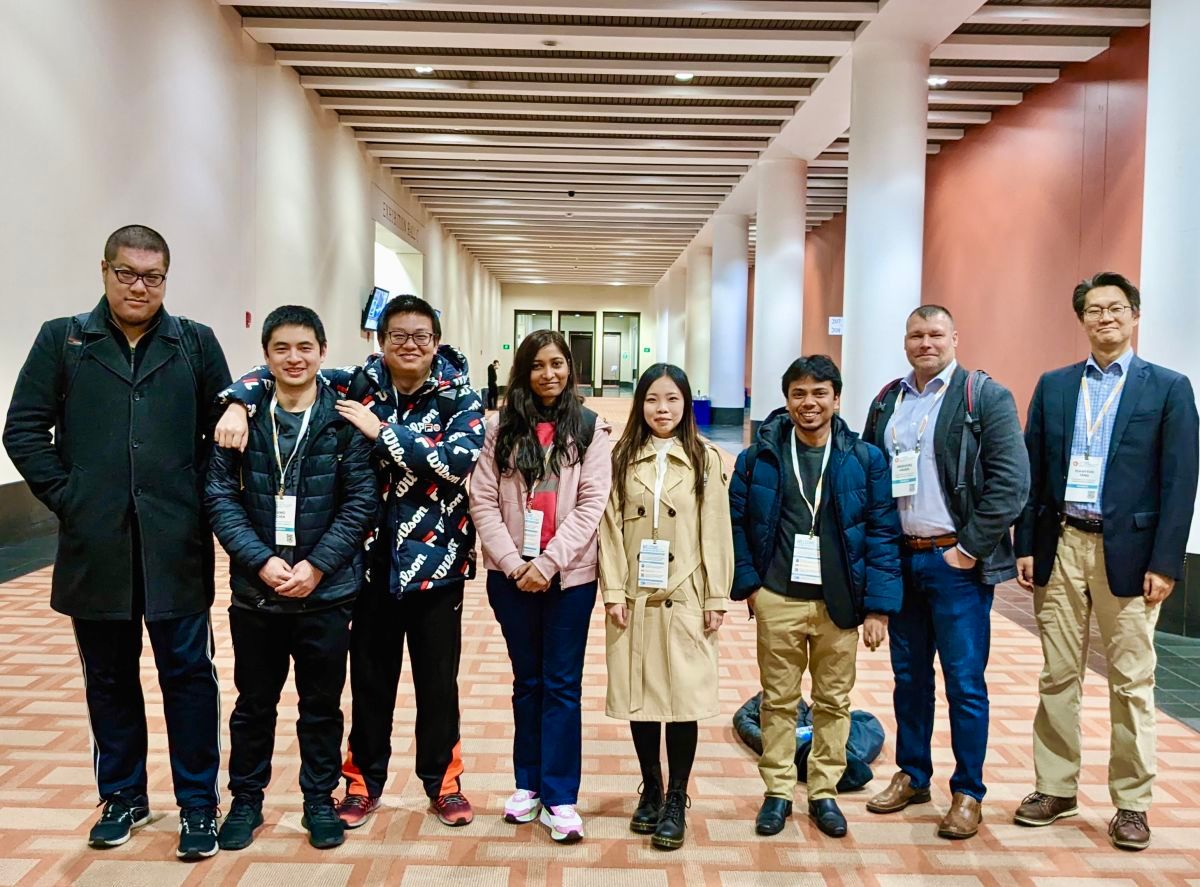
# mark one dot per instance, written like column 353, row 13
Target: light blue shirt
column 925, row 514
column 1101, row 384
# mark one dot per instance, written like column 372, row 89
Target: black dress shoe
column 772, row 816
column 828, row 817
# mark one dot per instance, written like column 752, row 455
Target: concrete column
column 778, row 279
column 1170, row 324
column 677, row 316
column 730, row 289
column 432, row 273
column 699, row 319
column 885, row 215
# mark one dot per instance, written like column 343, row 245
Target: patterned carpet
column 47, row 796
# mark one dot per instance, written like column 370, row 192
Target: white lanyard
column 660, row 475
column 1091, row 427
column 820, row 480
column 283, row 467
column 924, row 419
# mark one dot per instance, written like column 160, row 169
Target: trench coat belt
column 637, row 625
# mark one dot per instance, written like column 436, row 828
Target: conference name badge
column 1083, row 479
column 904, row 473
column 531, row 541
column 285, row 520
column 653, row 560
column 806, row 559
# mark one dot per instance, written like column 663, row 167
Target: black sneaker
column 197, row 833
column 325, row 829
column 237, row 831
column 120, row 817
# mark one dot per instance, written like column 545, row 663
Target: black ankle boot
column 645, row 817
column 671, row 825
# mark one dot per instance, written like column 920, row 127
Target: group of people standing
column 350, row 502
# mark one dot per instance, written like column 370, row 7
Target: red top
column 545, row 494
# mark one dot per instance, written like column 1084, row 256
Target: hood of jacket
column 773, row 433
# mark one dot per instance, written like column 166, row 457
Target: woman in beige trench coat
column 666, row 564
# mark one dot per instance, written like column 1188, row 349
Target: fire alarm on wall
column 247, row 320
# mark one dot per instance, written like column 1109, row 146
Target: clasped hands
column 290, row 581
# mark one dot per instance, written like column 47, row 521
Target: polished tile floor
column 47, row 797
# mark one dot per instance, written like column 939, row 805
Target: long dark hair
column 637, row 432
column 517, row 445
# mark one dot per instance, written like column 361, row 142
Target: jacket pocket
column 1145, row 520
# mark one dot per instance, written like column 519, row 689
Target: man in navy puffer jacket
column 816, row 542
column 292, row 511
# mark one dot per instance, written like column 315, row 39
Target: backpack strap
column 973, row 422
column 72, row 354
column 193, row 353
column 870, row 427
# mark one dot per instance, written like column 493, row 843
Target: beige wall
column 163, row 112
column 566, row 299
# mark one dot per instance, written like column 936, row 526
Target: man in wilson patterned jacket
column 416, row 403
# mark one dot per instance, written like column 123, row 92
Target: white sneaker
column 564, row 823
column 523, row 806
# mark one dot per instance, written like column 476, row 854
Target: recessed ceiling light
column 937, row 82
column 684, row 76
column 423, row 69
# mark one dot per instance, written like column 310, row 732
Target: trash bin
column 703, row 409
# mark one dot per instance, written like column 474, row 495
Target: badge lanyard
column 1090, row 427
column 654, row 555
column 924, row 419
column 283, row 467
column 531, row 540
column 660, row 476
column 815, row 505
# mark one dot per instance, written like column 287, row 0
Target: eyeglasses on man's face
column 421, row 338
column 1117, row 312
column 151, row 279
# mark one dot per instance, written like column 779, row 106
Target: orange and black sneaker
column 355, row 810
column 453, row 809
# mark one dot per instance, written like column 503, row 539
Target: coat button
column 641, row 511
column 137, row 395
column 668, row 604
column 137, row 491
column 670, row 557
column 135, row 444
column 670, row 512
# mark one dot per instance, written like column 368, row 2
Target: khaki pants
column 1077, row 588
column 794, row 635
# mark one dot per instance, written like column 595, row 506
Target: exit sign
column 505, row 347
column 645, row 350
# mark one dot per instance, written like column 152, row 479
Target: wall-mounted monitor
column 374, row 308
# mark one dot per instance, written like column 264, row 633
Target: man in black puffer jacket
column 292, row 512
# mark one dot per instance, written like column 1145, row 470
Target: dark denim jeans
column 948, row 612
column 546, row 633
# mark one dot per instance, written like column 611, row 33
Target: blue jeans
column 546, row 633
column 946, row 611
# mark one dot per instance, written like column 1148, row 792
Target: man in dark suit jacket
column 1113, row 451
column 960, row 478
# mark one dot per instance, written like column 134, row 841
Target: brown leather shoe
column 1129, row 830
column 1040, row 809
column 962, row 819
column 898, row 795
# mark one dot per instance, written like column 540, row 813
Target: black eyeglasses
column 398, row 337
column 1116, row 311
column 153, row 279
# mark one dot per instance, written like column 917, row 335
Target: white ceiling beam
column 973, row 117
column 945, row 134
column 1020, row 47
column 575, row 209
column 572, row 109
column 973, row 97
column 959, row 73
column 518, row 181
column 1062, row 16
column 561, row 165
column 542, row 88
column 491, row 188
column 560, row 194
column 469, row 35
column 739, row 159
column 401, row 137
column 554, row 127
column 764, row 10
column 390, row 61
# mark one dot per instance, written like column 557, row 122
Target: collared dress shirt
column 925, row 514
column 1101, row 384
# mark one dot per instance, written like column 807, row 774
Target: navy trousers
column 183, row 652
column 546, row 633
column 947, row 612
